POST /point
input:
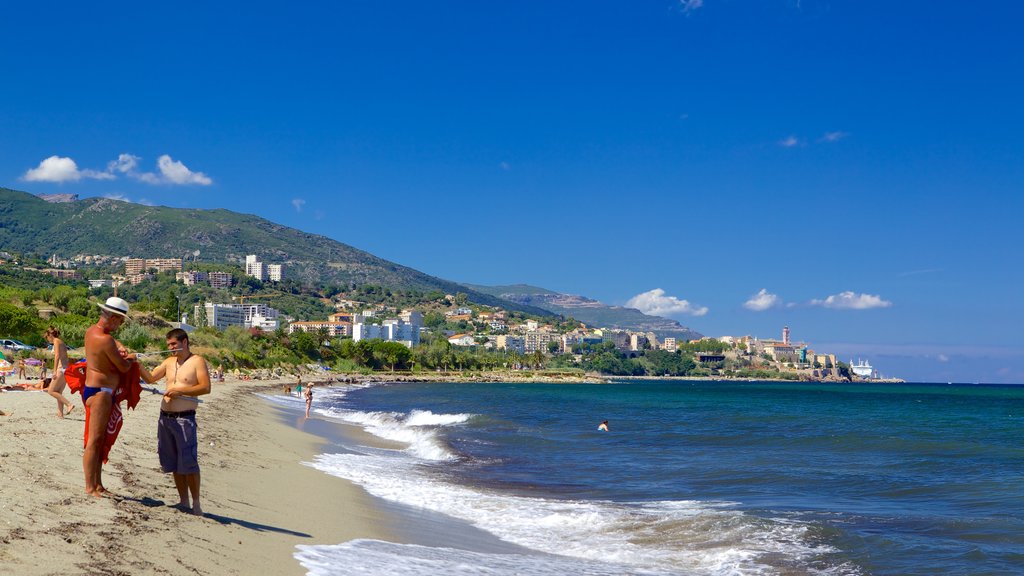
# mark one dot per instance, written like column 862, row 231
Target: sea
column 692, row 477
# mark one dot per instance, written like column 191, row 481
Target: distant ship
column 862, row 368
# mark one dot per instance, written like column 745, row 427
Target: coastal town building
column 136, row 266
column 261, row 271
column 333, row 329
column 61, row 273
column 669, row 345
column 192, row 277
column 405, row 329
column 637, row 341
column 510, row 343
column 411, row 317
column 535, row 340
column 255, row 268
column 461, row 340
column 221, row 279
column 246, row 315
column 393, row 330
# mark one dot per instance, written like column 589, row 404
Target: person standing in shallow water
column 309, row 398
column 60, row 362
column 177, row 434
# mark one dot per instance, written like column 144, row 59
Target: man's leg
column 92, row 460
column 182, row 486
column 192, row 480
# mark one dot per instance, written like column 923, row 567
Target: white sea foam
column 377, row 558
column 419, row 430
column 692, row 537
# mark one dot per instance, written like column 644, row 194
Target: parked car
column 11, row 344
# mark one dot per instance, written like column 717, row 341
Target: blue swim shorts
column 177, row 442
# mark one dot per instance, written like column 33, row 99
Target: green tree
column 392, row 354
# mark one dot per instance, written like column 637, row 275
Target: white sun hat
column 115, row 305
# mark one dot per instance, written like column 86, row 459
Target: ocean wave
column 378, row 558
column 693, row 537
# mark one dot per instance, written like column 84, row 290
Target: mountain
column 588, row 311
column 30, row 224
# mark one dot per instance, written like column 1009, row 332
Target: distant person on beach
column 106, row 359
column 603, row 426
column 60, row 363
column 22, row 373
column 309, row 398
column 177, row 435
column 298, row 385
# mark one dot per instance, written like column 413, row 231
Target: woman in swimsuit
column 60, row 362
column 309, row 398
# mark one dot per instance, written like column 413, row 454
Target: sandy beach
column 259, row 500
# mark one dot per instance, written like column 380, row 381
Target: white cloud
column 691, row 5
column 850, row 301
column 174, row 172
column 61, row 169
column 656, row 303
column 125, row 164
column 298, row 203
column 762, row 301
column 834, row 136
column 789, row 142
column 118, row 197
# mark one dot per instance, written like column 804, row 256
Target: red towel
column 128, row 389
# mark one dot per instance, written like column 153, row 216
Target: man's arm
column 155, row 375
column 118, row 355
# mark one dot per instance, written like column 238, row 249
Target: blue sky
column 850, row 169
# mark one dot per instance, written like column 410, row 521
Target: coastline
column 260, row 500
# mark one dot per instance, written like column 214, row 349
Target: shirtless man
column 177, row 441
column 105, row 360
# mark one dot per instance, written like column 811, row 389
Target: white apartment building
column 275, row 272
column 255, row 268
column 246, row 315
column 219, row 316
column 411, row 317
column 393, row 330
column 669, row 345
column 260, row 316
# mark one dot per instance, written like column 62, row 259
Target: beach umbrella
column 33, row 361
column 4, row 364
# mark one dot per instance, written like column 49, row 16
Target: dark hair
column 178, row 334
column 52, row 331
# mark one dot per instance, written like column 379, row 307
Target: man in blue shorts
column 177, row 441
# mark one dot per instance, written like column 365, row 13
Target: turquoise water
column 712, row 477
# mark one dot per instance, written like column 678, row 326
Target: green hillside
column 31, row 225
